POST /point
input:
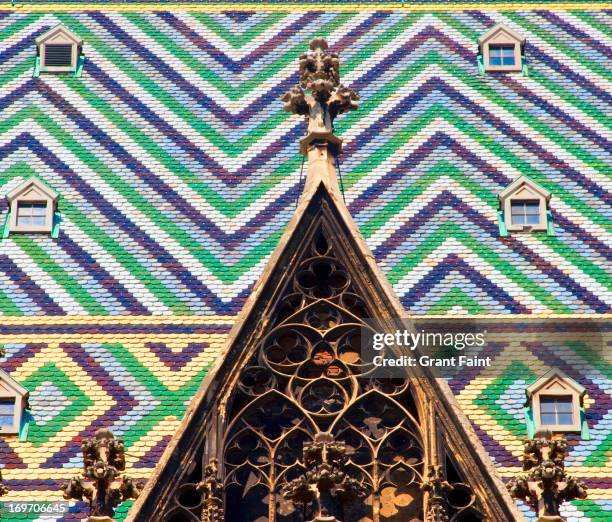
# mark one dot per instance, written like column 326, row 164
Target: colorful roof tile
column 178, row 172
column 178, row 169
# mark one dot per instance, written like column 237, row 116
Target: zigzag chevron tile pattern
column 133, row 375
column 178, row 172
column 136, row 376
column 178, row 169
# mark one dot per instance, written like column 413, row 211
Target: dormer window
column 32, row 207
column 556, row 403
column 501, row 49
column 524, row 206
column 59, row 50
column 13, row 402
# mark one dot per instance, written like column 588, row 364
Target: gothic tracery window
column 292, row 425
column 309, row 430
column 305, row 378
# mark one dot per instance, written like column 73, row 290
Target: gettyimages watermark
column 410, row 340
column 452, row 347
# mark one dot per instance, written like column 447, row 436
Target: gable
column 32, row 189
column 556, row 386
column 525, row 192
column 10, row 387
column 523, row 187
column 58, row 35
column 33, row 193
column 319, row 286
column 555, row 381
column 500, row 34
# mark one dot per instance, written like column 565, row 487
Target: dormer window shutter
column 58, row 55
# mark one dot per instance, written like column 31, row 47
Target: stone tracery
column 307, row 381
column 303, row 429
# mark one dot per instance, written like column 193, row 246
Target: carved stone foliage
column 101, row 484
column 320, row 96
column 309, row 422
column 3, row 489
column 546, row 486
column 212, row 491
column 319, row 68
column 324, row 486
column 449, row 499
column 438, row 489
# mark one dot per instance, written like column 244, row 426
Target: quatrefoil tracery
column 307, row 376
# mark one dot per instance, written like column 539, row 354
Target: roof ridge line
column 520, row 5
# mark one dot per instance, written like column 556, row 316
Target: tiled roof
column 178, row 172
column 137, row 374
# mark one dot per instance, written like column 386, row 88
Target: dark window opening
column 58, row 55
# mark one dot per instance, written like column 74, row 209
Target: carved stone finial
column 546, row 486
column 212, row 490
column 438, row 488
column 100, row 484
column 326, row 96
column 318, row 43
column 325, row 485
